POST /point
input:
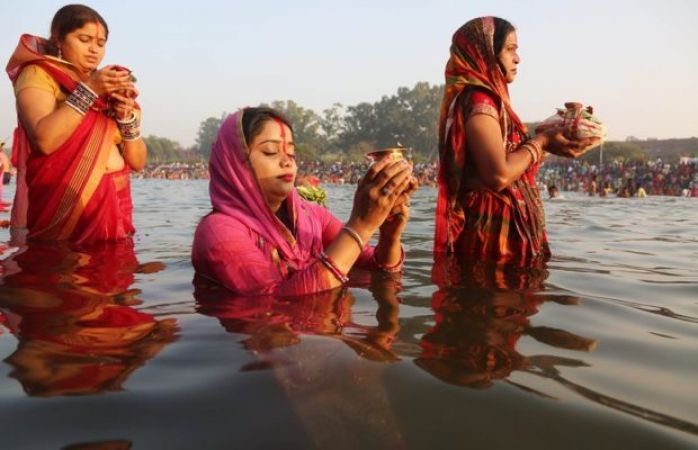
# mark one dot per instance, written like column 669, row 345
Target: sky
column 636, row 62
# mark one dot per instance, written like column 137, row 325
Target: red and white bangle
column 394, row 268
column 81, row 99
column 130, row 128
column 332, row 267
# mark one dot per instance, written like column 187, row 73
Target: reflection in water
column 102, row 445
column 73, row 313
column 481, row 310
column 323, row 360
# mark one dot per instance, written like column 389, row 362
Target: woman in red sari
column 78, row 133
column 489, row 207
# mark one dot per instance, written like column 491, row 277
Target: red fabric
column 482, row 224
column 76, row 332
column 66, row 195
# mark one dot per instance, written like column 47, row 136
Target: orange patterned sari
column 480, row 224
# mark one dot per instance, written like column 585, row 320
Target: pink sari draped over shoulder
column 243, row 246
column 67, row 195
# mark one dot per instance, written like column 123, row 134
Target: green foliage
column 206, row 136
column 409, row 117
column 162, row 149
column 306, row 127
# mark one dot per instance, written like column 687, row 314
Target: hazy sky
column 636, row 62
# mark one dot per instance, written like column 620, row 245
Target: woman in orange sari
column 78, row 133
column 489, row 207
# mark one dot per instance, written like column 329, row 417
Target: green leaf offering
column 313, row 194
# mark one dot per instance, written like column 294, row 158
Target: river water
column 112, row 346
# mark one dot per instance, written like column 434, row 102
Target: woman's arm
column 229, row 255
column 49, row 125
column 128, row 119
column 376, row 196
column 388, row 254
column 496, row 168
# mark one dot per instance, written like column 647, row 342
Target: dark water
column 112, row 345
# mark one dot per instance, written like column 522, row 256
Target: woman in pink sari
column 262, row 238
column 78, row 133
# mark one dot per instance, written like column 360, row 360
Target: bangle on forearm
column 130, row 128
column 81, row 99
column 531, row 152
column 351, row 232
column 332, row 267
column 534, row 149
column 394, row 268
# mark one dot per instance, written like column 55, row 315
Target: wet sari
column 67, row 195
column 245, row 247
column 478, row 223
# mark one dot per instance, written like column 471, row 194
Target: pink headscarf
column 235, row 193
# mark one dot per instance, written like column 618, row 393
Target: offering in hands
column 579, row 122
column 394, row 153
column 130, row 73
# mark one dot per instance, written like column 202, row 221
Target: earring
column 60, row 54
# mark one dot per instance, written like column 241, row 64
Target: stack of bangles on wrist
column 81, row 99
column 534, row 149
column 332, row 267
column 130, row 128
column 351, row 232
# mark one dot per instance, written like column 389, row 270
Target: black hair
column 253, row 120
column 69, row 18
column 502, row 28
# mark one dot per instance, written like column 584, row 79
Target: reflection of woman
column 302, row 341
column 72, row 313
column 78, row 134
column 480, row 313
column 261, row 238
column 489, row 206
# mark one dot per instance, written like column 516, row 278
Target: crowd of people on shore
column 622, row 179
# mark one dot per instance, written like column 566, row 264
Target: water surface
column 112, row 344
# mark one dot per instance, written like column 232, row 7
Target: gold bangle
column 538, row 148
column 351, row 232
column 531, row 151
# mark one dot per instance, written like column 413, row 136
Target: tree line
column 408, row 117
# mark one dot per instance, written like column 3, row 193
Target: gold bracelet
column 351, row 232
column 539, row 149
column 531, row 151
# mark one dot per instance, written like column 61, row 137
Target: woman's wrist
column 129, row 128
column 81, row 99
column 390, row 237
column 542, row 140
column 363, row 231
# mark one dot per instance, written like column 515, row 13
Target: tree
column 409, row 117
column 206, row 136
column 162, row 149
column 332, row 125
column 359, row 125
column 306, row 126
